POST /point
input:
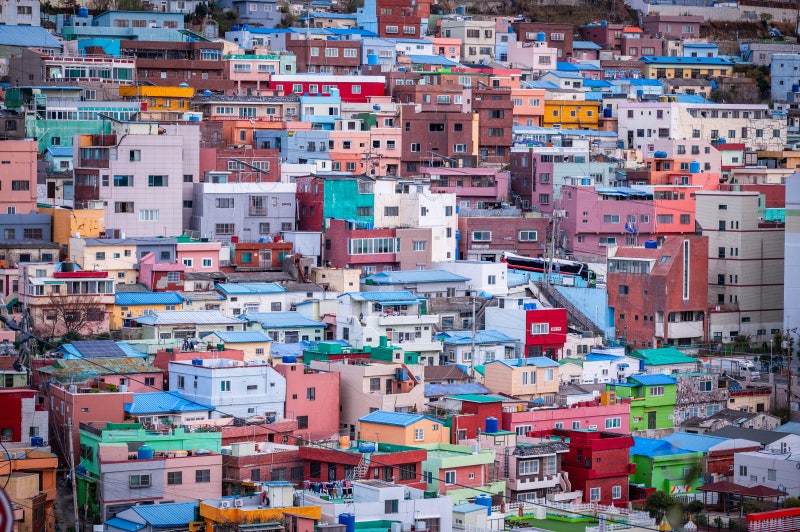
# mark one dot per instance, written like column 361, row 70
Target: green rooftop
column 576, row 361
column 475, row 398
column 663, row 356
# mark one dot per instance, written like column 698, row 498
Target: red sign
column 6, row 513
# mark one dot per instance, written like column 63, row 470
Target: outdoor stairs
column 574, row 315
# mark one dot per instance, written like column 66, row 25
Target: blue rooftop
column 281, row 320
column 693, row 442
column 596, row 83
column 432, row 60
column 239, row 337
column 563, row 74
column 416, row 276
column 173, row 514
column 147, row 298
column 539, row 362
column 481, row 337
column 566, row 67
column 655, row 379
column 638, row 82
column 250, row 288
column 399, row 297
column 598, row 357
column 397, row 419
column 677, row 60
column 792, row 427
column 585, row 45
column 539, row 84
column 652, row 448
column 162, row 403
column 60, row 151
column 456, row 388
column 27, row 37
column 124, row 524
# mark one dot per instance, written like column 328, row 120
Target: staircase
column 574, row 315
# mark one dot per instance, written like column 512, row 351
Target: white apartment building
column 791, row 257
column 484, row 277
column 775, row 466
column 477, row 38
column 413, row 205
column 745, row 266
column 244, row 298
column 640, row 123
column 232, row 387
column 363, row 317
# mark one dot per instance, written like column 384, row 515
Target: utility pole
column 71, row 427
column 556, row 220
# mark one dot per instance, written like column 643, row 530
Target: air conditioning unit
column 225, row 504
column 238, row 503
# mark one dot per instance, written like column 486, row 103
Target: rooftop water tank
column 288, row 359
column 145, row 452
column 607, row 112
column 694, row 167
column 492, row 425
column 372, row 59
column 366, row 447
column 660, row 155
column 541, row 37
column 795, row 87
column 83, row 12
column 349, row 522
column 651, row 244
column 484, row 500
column 197, row 362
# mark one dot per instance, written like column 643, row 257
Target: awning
column 11, row 304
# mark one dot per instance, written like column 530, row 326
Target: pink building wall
column 448, row 47
column 190, row 490
column 197, row 251
column 19, row 164
column 322, row 410
column 545, row 419
column 153, row 274
column 134, row 381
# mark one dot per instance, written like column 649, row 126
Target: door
column 651, row 420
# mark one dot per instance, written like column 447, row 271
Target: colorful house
column 525, row 378
column 130, row 305
column 665, row 467
column 254, row 344
column 459, row 472
column 662, row 66
column 273, row 504
column 652, row 399
column 312, row 398
column 664, row 360
column 402, row 429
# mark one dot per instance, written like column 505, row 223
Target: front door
column 651, row 420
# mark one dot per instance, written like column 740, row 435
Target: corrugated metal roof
column 67, row 370
column 59, row 151
column 397, row 419
column 472, row 398
column 539, row 362
column 162, row 403
column 148, row 298
column 653, row 380
column 481, row 337
column 792, row 427
column 174, row 317
column 239, row 337
column 439, row 390
column 124, row 524
column 416, row 276
column 281, row 320
column 693, row 442
column 650, row 448
column 662, row 356
column 676, row 60
column 174, row 514
column 250, row 288
column 432, row 60
column 585, row 45
column 27, row 37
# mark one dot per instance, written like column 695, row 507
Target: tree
column 71, row 316
column 657, row 503
column 791, row 502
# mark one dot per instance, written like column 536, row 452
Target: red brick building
column 557, row 35
column 260, row 256
column 259, row 462
column 247, row 165
column 598, row 460
column 487, row 233
column 325, row 56
column 440, row 137
column 658, row 295
column 402, row 18
column 475, row 409
column 495, row 109
column 199, row 64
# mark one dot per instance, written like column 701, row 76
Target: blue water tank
column 607, row 112
column 541, row 37
column 83, row 12
column 795, row 87
column 461, row 10
column 145, row 452
column 372, row 59
column 484, row 500
column 366, row 447
column 651, row 244
column 722, row 141
column 197, row 362
column 194, row 118
column 37, row 441
column 492, row 425
column 349, row 522
column 660, row 155
column 288, row 359
column 207, row 93
column 694, row 167
column 80, row 470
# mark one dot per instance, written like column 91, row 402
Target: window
column 391, row 211
column 613, row 423
column 656, row 391
column 616, row 492
column 529, row 467
column 224, row 203
column 139, row 481
column 311, row 394
column 123, row 206
column 528, row 236
column 123, row 180
column 664, row 218
column 772, row 474
column 481, row 236
column 686, row 219
column 419, row 434
column 148, row 215
column 181, row 382
column 491, row 280
column 225, row 386
column 540, row 328
column 390, row 506
column 623, row 290
column 611, row 218
column 594, row 494
column 224, row 229
column 207, row 263
column 157, row 181
column 202, row 475
column 174, row 478
column 135, row 156
column 419, row 245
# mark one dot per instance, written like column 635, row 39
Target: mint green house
column 652, row 400
column 665, row 467
column 666, row 360
column 458, row 472
column 350, row 198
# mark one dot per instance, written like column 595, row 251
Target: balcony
column 411, row 318
column 527, row 484
column 685, row 329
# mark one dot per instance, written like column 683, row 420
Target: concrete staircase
column 575, row 316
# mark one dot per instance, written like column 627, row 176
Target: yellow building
column 115, row 256
column 255, row 344
column 662, row 66
column 159, row 98
column 270, row 506
column 402, row 429
column 131, row 305
column 570, row 114
column 525, row 378
column 87, row 223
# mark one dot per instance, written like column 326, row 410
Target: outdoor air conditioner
column 238, row 503
column 225, row 504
